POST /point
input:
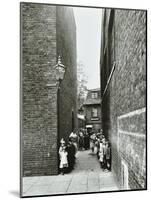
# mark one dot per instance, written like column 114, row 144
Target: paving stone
column 37, row 190
column 78, row 181
column 77, row 188
column 57, row 187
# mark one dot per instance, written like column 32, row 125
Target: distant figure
column 104, row 153
column 86, row 141
column 101, row 154
column 97, row 144
column 63, row 160
column 108, row 156
column 92, row 142
column 81, row 140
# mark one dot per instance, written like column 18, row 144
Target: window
column 94, row 95
column 94, row 112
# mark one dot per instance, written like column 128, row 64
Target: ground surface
column 86, row 177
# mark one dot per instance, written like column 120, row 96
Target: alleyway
column 86, row 177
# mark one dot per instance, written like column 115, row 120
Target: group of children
column 98, row 144
column 102, row 148
column 67, row 156
column 80, row 139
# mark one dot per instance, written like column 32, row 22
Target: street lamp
column 59, row 73
column 59, row 70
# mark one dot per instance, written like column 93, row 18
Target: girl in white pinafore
column 101, row 154
column 63, row 160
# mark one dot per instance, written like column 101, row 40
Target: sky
column 88, row 25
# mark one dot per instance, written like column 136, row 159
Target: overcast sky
column 88, row 23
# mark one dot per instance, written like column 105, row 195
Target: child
column 62, row 144
column 104, row 153
column 108, row 156
column 92, row 141
column 74, row 138
column 101, row 154
column 86, row 141
column 63, row 160
column 96, row 145
column 71, row 155
column 81, row 140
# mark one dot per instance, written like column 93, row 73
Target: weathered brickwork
column 124, row 102
column 39, row 55
column 66, row 48
column 131, row 144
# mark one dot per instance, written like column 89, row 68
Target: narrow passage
column 86, row 162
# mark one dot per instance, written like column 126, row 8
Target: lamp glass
column 60, row 71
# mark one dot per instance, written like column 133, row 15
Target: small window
column 94, row 112
column 94, row 95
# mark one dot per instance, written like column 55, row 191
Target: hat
column 62, row 141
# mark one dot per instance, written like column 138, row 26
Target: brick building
column 46, row 32
column 123, row 91
column 92, row 109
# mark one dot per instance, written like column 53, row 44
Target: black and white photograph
column 83, row 74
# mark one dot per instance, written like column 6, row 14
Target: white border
column 9, row 100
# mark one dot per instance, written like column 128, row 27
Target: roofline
column 95, row 89
column 88, row 104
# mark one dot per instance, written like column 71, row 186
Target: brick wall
column 39, row 40
column 66, row 48
column 124, row 103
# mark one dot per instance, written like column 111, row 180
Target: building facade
column 123, row 92
column 92, row 109
column 46, row 32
